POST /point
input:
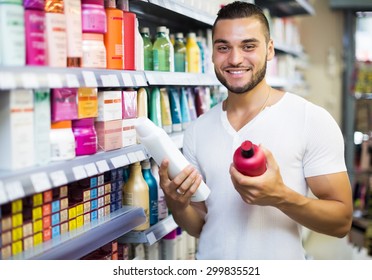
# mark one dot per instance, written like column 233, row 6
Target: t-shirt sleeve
column 325, row 148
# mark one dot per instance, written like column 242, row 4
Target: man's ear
column 270, row 50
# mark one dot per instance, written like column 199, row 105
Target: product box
column 129, row 135
column 87, row 103
column 109, row 106
column 16, row 129
column 56, row 39
column 109, row 135
column 35, row 37
column 42, row 125
column 129, row 101
column 64, row 104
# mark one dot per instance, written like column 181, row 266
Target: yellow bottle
column 192, row 53
column 136, row 193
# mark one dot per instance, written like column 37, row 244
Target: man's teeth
column 237, row 72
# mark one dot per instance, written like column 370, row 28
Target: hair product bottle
column 179, row 53
column 160, row 146
column 192, row 53
column 153, row 191
column 147, row 48
column 136, row 193
column 162, row 51
column 249, row 159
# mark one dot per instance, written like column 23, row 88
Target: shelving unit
column 284, row 8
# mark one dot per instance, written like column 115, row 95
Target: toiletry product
column 169, row 246
column 142, row 107
column 93, row 18
column 185, row 111
column 35, row 37
column 113, row 38
column 155, row 107
column 153, row 191
column 56, row 39
column 16, row 129
column 129, row 104
column 42, row 122
column 54, row 6
column 94, row 51
column 160, row 146
column 72, row 10
column 85, row 136
column 62, row 141
column 162, row 205
column 34, row 4
column 87, row 103
column 166, row 118
column 180, row 62
column 147, row 48
column 109, row 105
column 162, row 51
column 129, row 135
column 139, row 52
column 64, row 104
column 136, row 193
column 175, row 108
column 12, row 35
column 129, row 21
column 109, row 134
column 191, row 103
column 249, row 159
column 192, row 53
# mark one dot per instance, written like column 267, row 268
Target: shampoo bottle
column 153, row 191
column 147, row 48
column 136, row 193
column 249, row 159
column 160, row 146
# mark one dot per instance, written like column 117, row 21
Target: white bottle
column 161, row 146
column 139, row 51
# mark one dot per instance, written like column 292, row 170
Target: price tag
column 7, row 81
column 140, row 155
column 140, row 80
column 72, row 81
column 91, row 169
column 132, row 157
column 54, row 80
column 89, row 79
column 119, row 161
column 3, row 195
column 150, row 78
column 102, row 166
column 151, row 239
column 14, row 190
column 40, row 181
column 127, row 79
column 29, row 80
column 58, row 178
column 79, row 172
column 110, row 80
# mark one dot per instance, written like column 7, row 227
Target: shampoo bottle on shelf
column 192, row 53
column 162, row 51
column 153, row 191
column 139, row 49
column 136, row 193
column 179, row 53
column 249, row 159
column 147, row 48
column 160, row 146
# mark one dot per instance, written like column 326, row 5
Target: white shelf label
column 102, row 166
column 151, row 239
column 150, row 78
column 3, row 195
column 132, row 157
column 72, row 81
column 110, row 80
column 7, row 81
column 14, row 190
column 89, row 79
column 119, row 161
column 29, row 80
column 140, row 80
column 58, row 178
column 91, row 169
column 40, row 182
column 54, row 80
column 127, row 80
column 140, row 155
column 79, row 172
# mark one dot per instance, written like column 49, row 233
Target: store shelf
column 151, row 235
column 171, row 13
column 285, row 8
column 358, row 230
column 180, row 79
column 280, row 48
column 77, row 243
column 24, row 182
column 24, row 77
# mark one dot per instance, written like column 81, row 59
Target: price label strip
column 40, row 182
column 58, row 178
column 54, row 80
column 7, row 81
column 119, row 161
column 151, row 239
column 127, row 79
column 79, row 172
column 29, row 80
column 110, row 80
column 3, row 194
column 140, row 155
column 132, row 157
column 102, row 166
column 89, row 79
column 72, row 81
column 91, row 169
column 14, row 190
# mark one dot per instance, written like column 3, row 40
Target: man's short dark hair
column 239, row 9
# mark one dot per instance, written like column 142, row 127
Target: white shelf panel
column 178, row 78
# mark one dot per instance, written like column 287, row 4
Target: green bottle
column 179, row 53
column 155, row 107
column 147, row 48
column 162, row 51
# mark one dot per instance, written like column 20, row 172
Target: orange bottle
column 114, row 36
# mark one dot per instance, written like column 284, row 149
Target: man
column 258, row 217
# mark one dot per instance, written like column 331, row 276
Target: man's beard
column 256, row 79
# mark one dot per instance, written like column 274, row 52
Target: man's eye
column 222, row 49
column 249, row 47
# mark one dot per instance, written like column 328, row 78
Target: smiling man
column 258, row 217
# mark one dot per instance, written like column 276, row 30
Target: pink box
column 35, row 37
column 129, row 101
column 109, row 135
column 64, row 104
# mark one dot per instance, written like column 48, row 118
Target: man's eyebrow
column 245, row 41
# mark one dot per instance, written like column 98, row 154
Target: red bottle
column 249, row 159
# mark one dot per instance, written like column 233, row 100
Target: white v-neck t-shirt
column 305, row 141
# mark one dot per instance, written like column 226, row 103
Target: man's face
column 240, row 53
